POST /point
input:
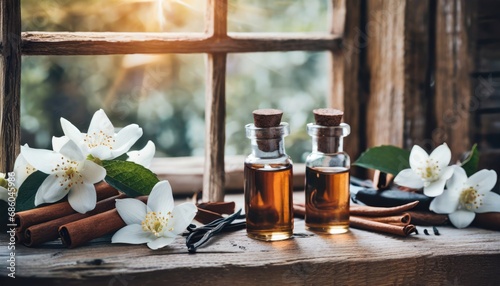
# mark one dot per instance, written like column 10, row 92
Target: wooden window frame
column 215, row 42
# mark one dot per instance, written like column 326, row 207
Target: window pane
column 278, row 16
column 113, row 15
column 295, row 82
column 164, row 94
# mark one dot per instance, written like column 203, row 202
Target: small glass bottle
column 268, row 179
column 327, row 174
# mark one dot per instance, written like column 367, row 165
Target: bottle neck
column 267, row 142
column 328, row 139
column 326, row 144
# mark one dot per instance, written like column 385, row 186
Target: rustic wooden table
column 455, row 257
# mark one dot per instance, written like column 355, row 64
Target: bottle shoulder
column 281, row 160
column 318, row 159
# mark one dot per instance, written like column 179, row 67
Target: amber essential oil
column 268, row 201
column 327, row 199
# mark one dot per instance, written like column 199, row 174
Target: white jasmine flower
column 101, row 141
column 428, row 171
column 22, row 169
column 69, row 174
column 464, row 197
column 144, row 156
column 4, row 185
column 158, row 222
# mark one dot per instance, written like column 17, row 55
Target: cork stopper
column 328, row 116
column 265, row 118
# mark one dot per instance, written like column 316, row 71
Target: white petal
column 22, row 170
column 457, row 180
column 442, row 155
column 92, row 173
column 418, row 157
column 161, row 199
column 144, row 156
column 461, row 218
column 41, row 159
column 132, row 234
column 72, row 151
column 4, row 194
column 408, row 178
column 447, row 172
column 160, row 242
column 183, row 215
column 51, row 190
column 132, row 211
column 483, row 181
column 445, row 203
column 58, row 142
column 491, row 203
column 102, row 152
column 435, row 188
column 71, row 131
column 82, row 197
column 101, row 122
column 125, row 138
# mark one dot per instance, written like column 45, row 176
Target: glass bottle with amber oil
column 268, row 178
column 327, row 174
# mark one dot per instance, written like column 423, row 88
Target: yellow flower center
column 156, row 223
column 99, row 139
column 470, row 199
column 70, row 174
column 430, row 171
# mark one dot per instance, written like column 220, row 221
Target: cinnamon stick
column 380, row 211
column 79, row 232
column 31, row 217
column 487, row 220
column 362, row 223
column 218, row 207
column 428, row 218
column 208, row 212
column 401, row 219
column 47, row 231
column 205, row 216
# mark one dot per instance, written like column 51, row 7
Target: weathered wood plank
column 215, row 106
column 418, row 57
column 344, row 89
column 385, row 60
column 10, row 83
column 104, row 43
column 466, row 256
column 453, row 90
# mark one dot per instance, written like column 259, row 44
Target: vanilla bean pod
column 199, row 236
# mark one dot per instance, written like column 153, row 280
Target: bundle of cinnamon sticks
column 394, row 220
column 47, row 223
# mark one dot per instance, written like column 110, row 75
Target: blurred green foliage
column 164, row 94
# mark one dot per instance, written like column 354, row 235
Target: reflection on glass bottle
column 327, row 175
column 268, row 183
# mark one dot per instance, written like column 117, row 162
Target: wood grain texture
column 215, row 128
column 344, row 90
column 453, row 67
column 107, row 43
column 10, row 84
column 456, row 257
column 215, row 105
column 385, row 60
column 418, row 66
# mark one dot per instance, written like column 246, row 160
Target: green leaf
column 386, row 158
column 129, row 177
column 470, row 164
column 26, row 193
